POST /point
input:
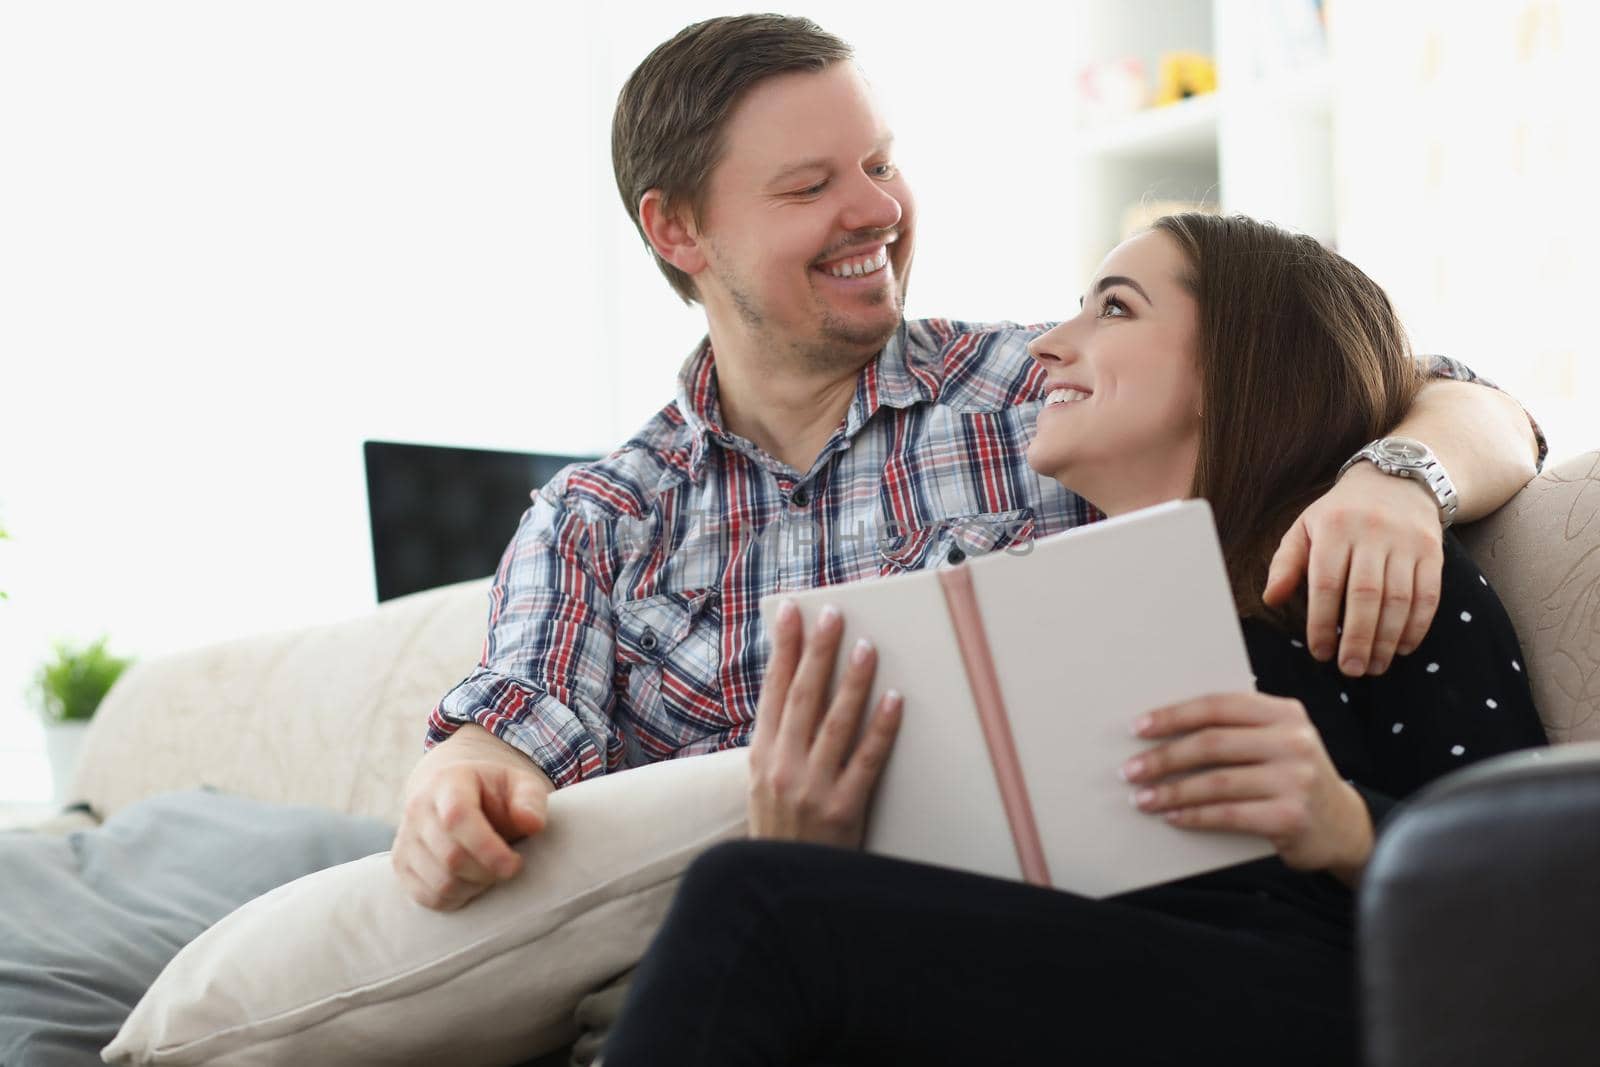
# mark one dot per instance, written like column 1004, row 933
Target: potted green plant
column 68, row 689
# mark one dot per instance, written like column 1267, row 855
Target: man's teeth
column 855, row 268
column 1064, row 396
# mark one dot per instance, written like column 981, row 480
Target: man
column 816, row 438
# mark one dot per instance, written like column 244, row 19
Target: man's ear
column 671, row 233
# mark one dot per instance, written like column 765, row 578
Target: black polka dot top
column 1460, row 697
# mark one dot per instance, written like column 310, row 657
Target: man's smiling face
column 807, row 223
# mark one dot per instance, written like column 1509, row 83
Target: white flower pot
column 63, row 741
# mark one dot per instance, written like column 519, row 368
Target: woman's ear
column 671, row 233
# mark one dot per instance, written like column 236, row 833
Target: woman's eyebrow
column 1121, row 279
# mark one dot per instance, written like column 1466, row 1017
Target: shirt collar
column 904, row 374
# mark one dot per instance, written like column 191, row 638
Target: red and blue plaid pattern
column 623, row 623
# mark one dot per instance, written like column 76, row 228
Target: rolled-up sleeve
column 544, row 681
column 1455, row 370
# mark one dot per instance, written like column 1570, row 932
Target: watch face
column 1402, row 450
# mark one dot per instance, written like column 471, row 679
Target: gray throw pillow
column 89, row 919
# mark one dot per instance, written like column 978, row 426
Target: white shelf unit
column 1260, row 145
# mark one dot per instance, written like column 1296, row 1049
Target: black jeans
column 799, row 954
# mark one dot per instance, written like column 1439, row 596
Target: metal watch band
column 1429, row 471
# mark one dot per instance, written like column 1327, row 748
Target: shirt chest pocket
column 669, row 646
column 954, row 540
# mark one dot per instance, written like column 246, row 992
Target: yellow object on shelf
column 1185, row 74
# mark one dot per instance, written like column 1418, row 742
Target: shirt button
column 800, row 498
column 956, row 555
column 647, row 641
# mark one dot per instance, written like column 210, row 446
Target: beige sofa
column 332, row 715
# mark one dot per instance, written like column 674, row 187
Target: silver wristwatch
column 1404, row 457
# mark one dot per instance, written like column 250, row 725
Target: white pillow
column 343, row 967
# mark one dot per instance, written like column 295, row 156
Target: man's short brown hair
column 667, row 130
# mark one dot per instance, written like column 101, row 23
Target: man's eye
column 885, row 170
column 811, row 190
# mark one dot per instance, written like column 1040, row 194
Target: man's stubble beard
column 841, row 345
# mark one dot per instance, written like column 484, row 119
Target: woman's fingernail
column 859, row 654
column 829, row 616
column 1131, row 770
column 1141, row 724
column 892, row 703
column 786, row 610
column 1143, row 797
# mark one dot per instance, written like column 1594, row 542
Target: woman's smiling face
column 1121, row 421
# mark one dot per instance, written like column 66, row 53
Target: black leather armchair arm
column 1479, row 922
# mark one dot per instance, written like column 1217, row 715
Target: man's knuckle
column 838, row 814
column 809, row 806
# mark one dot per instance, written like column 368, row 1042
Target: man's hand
column 1373, row 543
column 1255, row 764
column 466, row 801
column 809, row 779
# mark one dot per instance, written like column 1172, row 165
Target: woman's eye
column 1113, row 304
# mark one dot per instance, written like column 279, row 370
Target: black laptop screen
column 442, row 515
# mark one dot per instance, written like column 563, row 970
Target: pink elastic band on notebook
column 973, row 641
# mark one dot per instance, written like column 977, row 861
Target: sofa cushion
column 1542, row 553
column 331, row 715
column 91, row 917
column 343, row 967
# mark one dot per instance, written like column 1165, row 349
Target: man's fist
column 466, row 801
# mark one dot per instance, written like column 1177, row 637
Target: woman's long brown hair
column 1302, row 361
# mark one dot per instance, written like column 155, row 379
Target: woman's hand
column 1255, row 764
column 809, row 778
column 1373, row 545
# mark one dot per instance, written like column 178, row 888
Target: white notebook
column 1085, row 632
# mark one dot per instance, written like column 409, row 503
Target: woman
column 1212, row 357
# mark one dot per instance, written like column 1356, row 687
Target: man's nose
column 872, row 206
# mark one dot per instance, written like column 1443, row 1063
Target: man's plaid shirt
column 623, row 622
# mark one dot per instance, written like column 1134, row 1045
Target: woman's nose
column 1051, row 347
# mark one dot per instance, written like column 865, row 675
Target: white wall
column 1467, row 159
